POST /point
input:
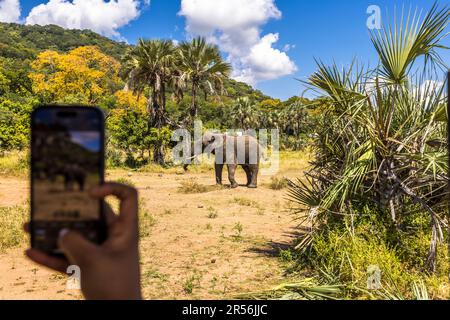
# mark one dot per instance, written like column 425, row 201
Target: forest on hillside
column 42, row 65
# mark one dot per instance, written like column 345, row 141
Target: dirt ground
column 212, row 245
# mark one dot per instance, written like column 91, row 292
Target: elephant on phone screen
column 232, row 151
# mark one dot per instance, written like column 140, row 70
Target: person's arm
column 110, row 271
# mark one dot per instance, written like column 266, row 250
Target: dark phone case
column 102, row 230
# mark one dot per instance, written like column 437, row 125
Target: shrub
column 14, row 163
column 344, row 256
column 245, row 202
column 278, row 183
column 14, row 125
column 212, row 213
column 192, row 187
column 126, row 181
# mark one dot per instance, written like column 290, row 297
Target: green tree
column 150, row 67
column 14, row 124
column 128, row 126
column 202, row 67
column 245, row 114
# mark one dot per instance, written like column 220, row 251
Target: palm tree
column 244, row 114
column 376, row 144
column 400, row 46
column 149, row 67
column 201, row 66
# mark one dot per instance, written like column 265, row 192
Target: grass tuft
column 14, row 164
column 126, row 182
column 11, row 226
column 146, row 220
column 277, row 183
column 191, row 186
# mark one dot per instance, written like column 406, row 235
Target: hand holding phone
column 110, row 271
column 70, row 222
column 67, row 160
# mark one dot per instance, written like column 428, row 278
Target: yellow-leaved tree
column 126, row 100
column 83, row 75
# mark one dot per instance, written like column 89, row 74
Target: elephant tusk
column 191, row 158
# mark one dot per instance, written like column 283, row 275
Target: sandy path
column 188, row 254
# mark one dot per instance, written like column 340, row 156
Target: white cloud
column 264, row 62
column 104, row 17
column 429, row 90
column 288, row 47
column 430, row 86
column 235, row 26
column 9, row 11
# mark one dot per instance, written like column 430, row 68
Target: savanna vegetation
column 375, row 197
column 145, row 90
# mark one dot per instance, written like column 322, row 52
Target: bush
column 14, row 163
column 338, row 255
column 192, row 187
column 278, row 183
column 126, row 182
column 129, row 132
column 14, row 125
column 114, row 158
column 245, row 202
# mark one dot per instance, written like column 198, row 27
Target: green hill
column 22, row 43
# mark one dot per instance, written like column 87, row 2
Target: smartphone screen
column 67, row 160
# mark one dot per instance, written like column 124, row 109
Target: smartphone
column 67, row 160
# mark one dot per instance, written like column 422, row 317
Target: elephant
column 74, row 175
column 232, row 151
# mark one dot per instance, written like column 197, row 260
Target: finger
column 45, row 260
column 77, row 249
column 128, row 197
column 110, row 216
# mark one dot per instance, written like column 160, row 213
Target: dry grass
column 245, row 202
column 14, row 164
column 192, row 186
column 277, row 183
column 185, row 240
column 292, row 161
column 146, row 220
column 126, row 182
column 11, row 226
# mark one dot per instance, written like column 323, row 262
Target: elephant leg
column 231, row 175
column 248, row 173
column 254, row 169
column 219, row 170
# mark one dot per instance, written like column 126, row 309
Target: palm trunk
column 157, row 120
column 194, row 109
column 159, row 155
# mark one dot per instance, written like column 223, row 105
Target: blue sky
column 324, row 29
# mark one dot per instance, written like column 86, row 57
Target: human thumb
column 76, row 248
